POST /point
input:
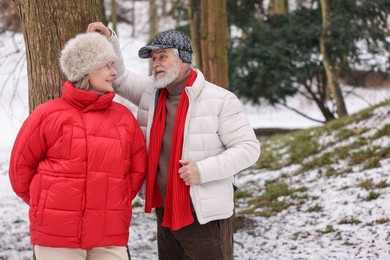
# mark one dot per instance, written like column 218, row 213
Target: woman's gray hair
column 83, row 83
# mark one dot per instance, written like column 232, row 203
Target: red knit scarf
column 177, row 212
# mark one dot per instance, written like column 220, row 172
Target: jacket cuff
column 113, row 34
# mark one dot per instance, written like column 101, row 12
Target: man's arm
column 242, row 146
column 127, row 84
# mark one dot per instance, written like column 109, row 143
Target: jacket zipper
column 185, row 153
column 84, row 201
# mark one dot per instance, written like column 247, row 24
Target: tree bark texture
column 214, row 42
column 278, row 7
column 47, row 25
column 330, row 71
column 114, row 16
column 194, row 18
column 153, row 24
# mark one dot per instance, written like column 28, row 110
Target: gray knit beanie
column 169, row 39
column 85, row 53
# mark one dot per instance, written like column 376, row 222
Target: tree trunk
column 153, row 29
column 103, row 12
column 114, row 16
column 133, row 23
column 194, row 18
column 164, row 8
column 214, row 42
column 47, row 25
column 330, row 71
column 278, row 7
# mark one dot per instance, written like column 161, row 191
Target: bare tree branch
column 353, row 93
column 12, row 77
column 301, row 113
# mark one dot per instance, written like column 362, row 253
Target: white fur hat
column 84, row 53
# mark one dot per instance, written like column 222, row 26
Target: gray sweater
column 173, row 98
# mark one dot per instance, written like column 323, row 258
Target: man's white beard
column 171, row 75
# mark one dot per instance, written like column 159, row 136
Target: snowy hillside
column 321, row 193
column 325, row 194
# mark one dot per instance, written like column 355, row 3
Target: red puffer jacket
column 78, row 161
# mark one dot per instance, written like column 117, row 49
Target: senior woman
column 79, row 160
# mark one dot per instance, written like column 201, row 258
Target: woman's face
column 100, row 80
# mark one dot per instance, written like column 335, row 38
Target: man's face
column 167, row 67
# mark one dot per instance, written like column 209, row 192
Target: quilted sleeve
column 28, row 150
column 242, row 146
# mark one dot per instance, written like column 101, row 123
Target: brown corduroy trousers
column 213, row 240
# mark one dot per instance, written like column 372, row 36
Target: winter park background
column 336, row 211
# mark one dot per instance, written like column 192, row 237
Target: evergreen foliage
column 278, row 56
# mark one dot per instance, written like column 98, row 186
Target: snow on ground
column 297, row 234
column 264, row 116
column 292, row 234
column 348, row 226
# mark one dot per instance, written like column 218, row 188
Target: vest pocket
column 41, row 206
column 61, row 149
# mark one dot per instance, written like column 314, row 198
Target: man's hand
column 189, row 172
column 100, row 28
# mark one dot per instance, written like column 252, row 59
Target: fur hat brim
column 85, row 53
